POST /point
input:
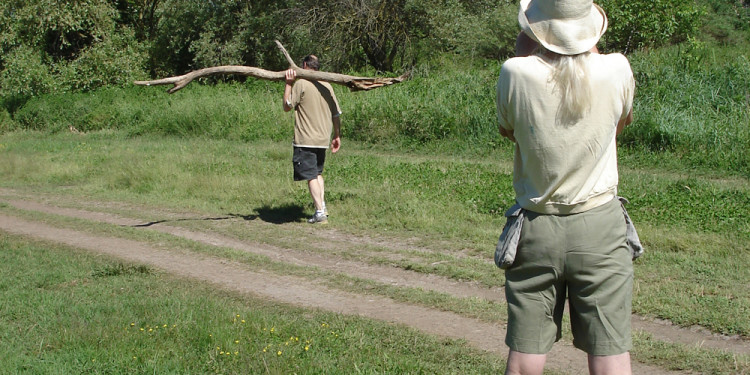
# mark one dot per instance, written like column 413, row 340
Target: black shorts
column 308, row 163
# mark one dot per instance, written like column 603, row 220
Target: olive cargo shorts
column 584, row 255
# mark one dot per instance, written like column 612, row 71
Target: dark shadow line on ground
column 274, row 215
column 150, row 223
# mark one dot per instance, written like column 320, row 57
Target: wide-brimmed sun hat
column 567, row 27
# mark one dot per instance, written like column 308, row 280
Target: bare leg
column 610, row 364
column 525, row 364
column 316, row 192
column 322, row 190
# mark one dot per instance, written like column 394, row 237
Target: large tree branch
column 352, row 82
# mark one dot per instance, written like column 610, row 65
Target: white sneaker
column 318, row 218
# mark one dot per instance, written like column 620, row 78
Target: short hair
column 311, row 61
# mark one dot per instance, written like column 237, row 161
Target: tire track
column 230, row 275
column 299, row 292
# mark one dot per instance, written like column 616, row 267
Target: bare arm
column 624, row 122
column 507, row 133
column 290, row 76
column 336, row 142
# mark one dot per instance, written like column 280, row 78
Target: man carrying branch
column 316, row 113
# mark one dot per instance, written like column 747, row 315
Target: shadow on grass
column 274, row 215
column 150, row 223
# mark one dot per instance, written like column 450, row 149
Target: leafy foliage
column 729, row 22
column 25, row 74
column 75, row 45
column 115, row 61
column 378, row 32
column 455, row 24
column 195, row 34
column 635, row 25
column 394, row 34
column 85, row 44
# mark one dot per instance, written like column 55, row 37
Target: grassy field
column 84, row 314
column 691, row 273
column 695, row 225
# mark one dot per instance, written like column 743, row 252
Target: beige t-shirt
column 563, row 169
column 314, row 105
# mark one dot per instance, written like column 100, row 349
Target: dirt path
column 294, row 290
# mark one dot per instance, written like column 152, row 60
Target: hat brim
column 563, row 36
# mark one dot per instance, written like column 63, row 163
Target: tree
column 140, row 15
column 55, row 44
column 194, row 34
column 375, row 32
column 482, row 28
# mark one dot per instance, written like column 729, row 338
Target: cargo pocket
column 507, row 245
column 631, row 236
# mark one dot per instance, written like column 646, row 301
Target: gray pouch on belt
column 505, row 251
column 631, row 236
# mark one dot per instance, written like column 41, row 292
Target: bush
column 6, row 122
column 454, row 28
column 729, row 22
column 25, row 74
column 634, row 25
column 115, row 61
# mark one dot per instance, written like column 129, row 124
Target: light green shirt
column 558, row 168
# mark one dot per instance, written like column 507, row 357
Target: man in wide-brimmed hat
column 563, row 106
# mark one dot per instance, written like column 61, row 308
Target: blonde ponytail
column 571, row 78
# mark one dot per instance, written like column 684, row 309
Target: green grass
column 79, row 313
column 692, row 359
column 692, row 108
column 646, row 349
column 694, row 224
column 471, row 307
